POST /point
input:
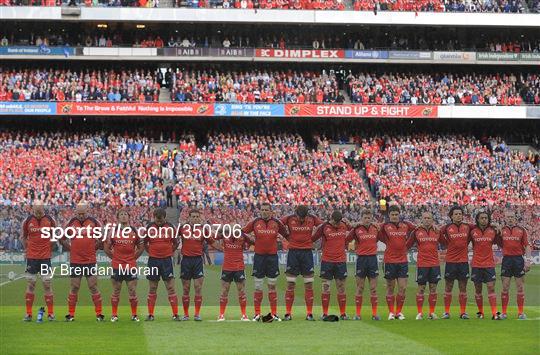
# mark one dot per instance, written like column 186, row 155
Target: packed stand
column 78, row 85
column 62, row 169
column 431, row 169
column 241, row 170
column 444, row 89
column 254, row 86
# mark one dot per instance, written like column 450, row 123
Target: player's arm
column 64, row 242
column 443, row 238
column 140, row 248
column 411, row 240
column 351, row 236
column 99, row 241
column 381, row 236
column 318, row 233
column 284, row 221
column 249, row 229
column 24, row 234
column 107, row 247
column 528, row 250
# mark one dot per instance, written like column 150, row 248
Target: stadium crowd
column 444, row 88
column 255, row 86
column 266, row 85
column 236, row 171
column 429, row 169
column 78, row 85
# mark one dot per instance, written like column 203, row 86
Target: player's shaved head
column 510, row 217
column 427, row 219
column 38, row 209
column 81, row 209
column 266, row 210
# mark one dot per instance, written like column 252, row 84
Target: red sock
column 198, row 303
column 185, row 304
column 390, row 301
column 257, row 300
column 432, row 302
column 72, row 303
column 358, row 300
column 400, row 300
column 29, row 298
column 49, row 301
column 447, row 302
column 223, row 305
column 151, row 302
column 493, row 303
column 325, row 298
column 342, row 301
column 114, row 303
column 462, row 302
column 520, row 302
column 242, row 300
column 479, row 303
column 96, row 298
column 419, row 302
column 374, row 303
column 272, row 298
column 173, row 301
column 289, row 300
column 308, row 297
column 133, row 302
column 504, row 301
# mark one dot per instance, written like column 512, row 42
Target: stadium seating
column 87, row 85
column 249, row 86
column 431, row 169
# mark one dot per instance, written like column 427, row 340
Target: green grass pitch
column 86, row 336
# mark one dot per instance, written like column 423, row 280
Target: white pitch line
column 8, row 281
column 228, row 321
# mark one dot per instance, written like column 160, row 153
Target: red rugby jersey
column 300, row 232
column 394, row 235
column 124, row 249
column 513, row 240
column 266, row 234
column 333, row 241
column 456, row 239
column 36, row 246
column 427, row 242
column 365, row 239
column 233, row 253
column 482, row 241
column 192, row 241
column 83, row 250
column 160, row 240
